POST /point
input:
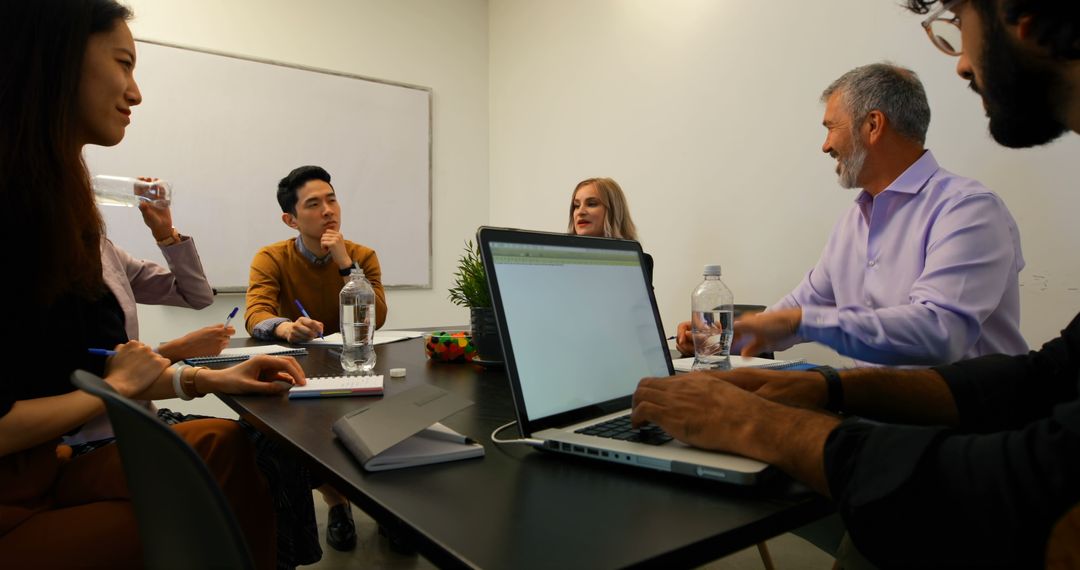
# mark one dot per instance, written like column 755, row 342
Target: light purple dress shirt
column 925, row 273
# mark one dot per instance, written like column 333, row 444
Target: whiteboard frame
column 430, row 146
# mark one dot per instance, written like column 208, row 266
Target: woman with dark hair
column 67, row 68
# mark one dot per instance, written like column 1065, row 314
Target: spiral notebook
column 241, row 353
column 335, row 386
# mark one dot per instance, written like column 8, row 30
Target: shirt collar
column 911, row 181
column 309, row 255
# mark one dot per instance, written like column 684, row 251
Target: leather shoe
column 397, row 543
column 340, row 528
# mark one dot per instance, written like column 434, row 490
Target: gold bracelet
column 190, row 383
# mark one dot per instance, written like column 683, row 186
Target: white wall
column 438, row 44
column 707, row 113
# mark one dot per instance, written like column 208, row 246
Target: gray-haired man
column 974, row 464
column 924, row 267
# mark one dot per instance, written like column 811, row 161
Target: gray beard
column 851, row 167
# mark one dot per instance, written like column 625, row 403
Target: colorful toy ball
column 449, row 346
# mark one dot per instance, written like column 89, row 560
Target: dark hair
column 43, row 179
column 287, row 188
column 1055, row 25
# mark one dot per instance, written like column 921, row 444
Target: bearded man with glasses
column 973, row 464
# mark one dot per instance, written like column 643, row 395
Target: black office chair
column 184, row 520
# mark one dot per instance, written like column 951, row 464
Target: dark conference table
column 518, row 507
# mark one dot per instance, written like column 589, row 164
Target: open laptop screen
column 581, row 321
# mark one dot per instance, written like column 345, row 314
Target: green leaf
column 470, row 282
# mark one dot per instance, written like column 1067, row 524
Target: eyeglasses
column 943, row 28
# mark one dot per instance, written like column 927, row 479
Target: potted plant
column 471, row 290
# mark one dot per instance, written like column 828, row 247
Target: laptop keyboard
column 619, row 428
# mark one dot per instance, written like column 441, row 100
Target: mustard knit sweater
column 280, row 274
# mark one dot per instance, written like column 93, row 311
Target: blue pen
column 231, row 315
column 303, row 311
column 104, row 351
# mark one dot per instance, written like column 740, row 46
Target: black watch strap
column 345, row 272
column 835, row 402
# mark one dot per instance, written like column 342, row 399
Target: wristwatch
column 345, row 272
column 835, row 401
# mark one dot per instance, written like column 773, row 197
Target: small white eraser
column 397, row 372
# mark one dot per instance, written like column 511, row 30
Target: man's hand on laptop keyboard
column 695, row 408
column 703, row 410
column 805, row 389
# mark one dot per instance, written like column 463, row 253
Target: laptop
column 579, row 328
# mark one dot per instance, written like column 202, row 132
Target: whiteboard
column 224, row 130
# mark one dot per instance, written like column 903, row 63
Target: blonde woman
column 598, row 208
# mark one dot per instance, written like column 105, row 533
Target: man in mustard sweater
column 311, row 268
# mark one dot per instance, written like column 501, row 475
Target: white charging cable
column 521, row 440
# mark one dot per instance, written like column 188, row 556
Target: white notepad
column 686, row 364
column 253, row 350
column 381, row 337
column 333, row 386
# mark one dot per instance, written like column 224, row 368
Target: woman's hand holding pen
column 207, row 341
column 133, row 368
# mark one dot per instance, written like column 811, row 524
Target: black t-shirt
column 984, row 494
column 53, row 343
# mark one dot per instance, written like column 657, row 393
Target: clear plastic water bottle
column 712, row 312
column 129, row 192
column 358, row 324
